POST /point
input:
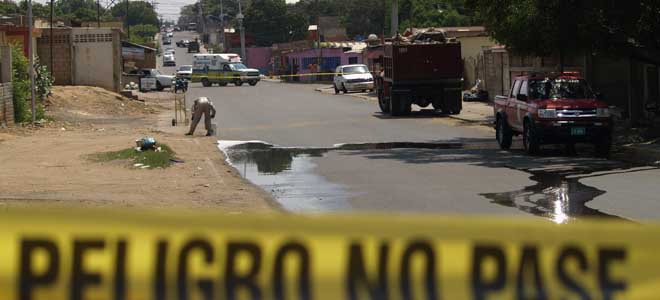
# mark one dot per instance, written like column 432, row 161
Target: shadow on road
column 417, row 114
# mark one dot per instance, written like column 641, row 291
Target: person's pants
column 202, row 109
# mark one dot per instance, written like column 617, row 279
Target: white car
column 170, row 34
column 162, row 80
column 349, row 78
column 169, row 50
column 168, row 60
column 185, row 71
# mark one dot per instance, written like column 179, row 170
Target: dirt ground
column 48, row 166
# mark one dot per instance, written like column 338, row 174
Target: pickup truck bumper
column 560, row 133
column 358, row 86
column 250, row 78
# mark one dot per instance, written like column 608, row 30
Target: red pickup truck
column 553, row 109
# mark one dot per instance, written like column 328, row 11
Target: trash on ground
column 146, row 143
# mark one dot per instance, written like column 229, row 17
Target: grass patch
column 152, row 159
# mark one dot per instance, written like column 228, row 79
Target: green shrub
column 21, row 86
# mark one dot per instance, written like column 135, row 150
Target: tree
column 139, row 12
column 433, row 13
column 564, row 27
column 8, row 7
column 270, row 22
column 143, row 33
column 364, row 17
column 77, row 11
column 38, row 10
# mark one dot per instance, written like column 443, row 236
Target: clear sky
column 170, row 9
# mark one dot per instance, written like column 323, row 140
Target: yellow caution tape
column 100, row 255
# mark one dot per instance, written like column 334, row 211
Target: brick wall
column 6, row 104
column 61, row 52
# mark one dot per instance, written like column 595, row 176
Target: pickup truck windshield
column 560, row 88
column 355, row 70
column 237, row 67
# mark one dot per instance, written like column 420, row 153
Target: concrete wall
column 471, row 48
column 97, row 58
column 6, row 94
column 259, row 58
column 6, row 104
column 83, row 56
column 497, row 67
column 61, row 53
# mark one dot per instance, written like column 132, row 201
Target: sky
column 170, row 9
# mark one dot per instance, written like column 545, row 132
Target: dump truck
column 426, row 69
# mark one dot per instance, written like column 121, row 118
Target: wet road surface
column 420, row 163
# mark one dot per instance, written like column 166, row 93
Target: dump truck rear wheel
column 383, row 102
column 399, row 106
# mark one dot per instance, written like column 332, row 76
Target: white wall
column 95, row 58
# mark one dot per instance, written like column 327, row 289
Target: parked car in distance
column 553, row 109
column 170, row 34
column 170, row 50
column 193, row 46
column 185, row 71
column 182, row 43
column 167, row 42
column 168, row 60
column 349, row 78
column 162, row 80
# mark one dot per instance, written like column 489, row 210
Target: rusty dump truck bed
column 422, row 63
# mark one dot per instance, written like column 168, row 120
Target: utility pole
column 128, row 26
column 222, row 27
column 98, row 13
column 395, row 17
column 51, row 37
column 31, row 66
column 240, row 17
column 319, row 61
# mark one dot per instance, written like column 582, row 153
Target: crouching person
column 202, row 106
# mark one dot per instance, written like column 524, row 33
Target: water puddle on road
column 288, row 173
column 560, row 196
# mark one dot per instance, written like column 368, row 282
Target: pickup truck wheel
column 530, row 139
column 206, row 82
column 503, row 134
column 343, row 89
column 252, row 82
column 383, row 102
column 603, row 147
column 238, row 82
column 159, row 86
column 334, row 86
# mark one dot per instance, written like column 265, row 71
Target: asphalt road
column 181, row 55
column 453, row 169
